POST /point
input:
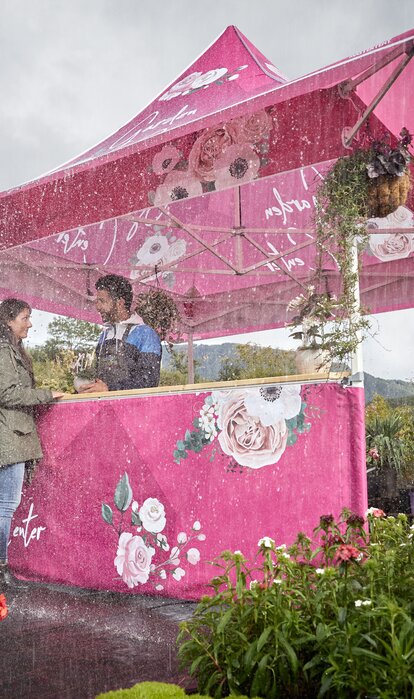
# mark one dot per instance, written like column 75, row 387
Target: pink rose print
column 165, row 161
column 253, row 128
column 208, row 148
column 145, row 559
column 133, row 559
column 177, row 185
column 237, row 165
column 246, row 439
column 392, row 246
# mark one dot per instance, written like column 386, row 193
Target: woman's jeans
column 11, row 483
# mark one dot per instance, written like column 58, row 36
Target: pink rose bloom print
column 253, row 128
column 392, row 246
column 246, row 439
column 133, row 559
column 165, row 161
column 237, row 165
column 208, row 148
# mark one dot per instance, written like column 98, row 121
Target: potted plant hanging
column 159, row 310
column 309, row 323
column 368, row 183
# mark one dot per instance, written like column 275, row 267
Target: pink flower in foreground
column 375, row 512
column 165, row 161
column 373, row 453
column 346, row 552
column 133, row 559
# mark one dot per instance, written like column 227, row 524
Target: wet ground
column 66, row 643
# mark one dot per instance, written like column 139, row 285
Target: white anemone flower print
column 273, row 403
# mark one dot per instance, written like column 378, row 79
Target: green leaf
column 180, row 445
column 107, row 514
column 123, row 494
column 342, row 612
column 224, row 620
column 263, row 638
column 135, row 519
column 292, row 439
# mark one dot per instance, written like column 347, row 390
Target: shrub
column 329, row 618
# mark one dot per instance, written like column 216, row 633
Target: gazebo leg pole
column 190, row 358
column 357, row 367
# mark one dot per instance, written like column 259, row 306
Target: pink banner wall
column 270, row 461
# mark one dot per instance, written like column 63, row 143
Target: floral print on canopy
column 237, row 165
column 392, row 246
column 177, row 185
column 227, row 154
column 253, row 426
column 157, row 249
column 166, row 160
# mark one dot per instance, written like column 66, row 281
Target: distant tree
column 69, row 334
column 177, row 372
column 253, row 362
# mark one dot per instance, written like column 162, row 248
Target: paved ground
column 66, row 643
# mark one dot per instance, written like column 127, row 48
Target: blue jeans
column 11, row 483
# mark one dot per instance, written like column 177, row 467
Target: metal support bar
column 347, row 86
column 349, row 133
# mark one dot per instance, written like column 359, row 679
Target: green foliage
column 69, row 342
column 329, row 618
column 253, row 362
column 340, row 214
column 153, row 690
column 177, row 372
column 56, row 374
column 194, row 440
column 390, row 437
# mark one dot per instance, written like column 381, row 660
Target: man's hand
column 96, row 386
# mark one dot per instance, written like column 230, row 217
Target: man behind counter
column 128, row 353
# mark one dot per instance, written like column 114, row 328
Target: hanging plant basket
column 386, row 193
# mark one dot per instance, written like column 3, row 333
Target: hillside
column 209, row 357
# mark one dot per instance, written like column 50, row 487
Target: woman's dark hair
column 9, row 310
column 117, row 287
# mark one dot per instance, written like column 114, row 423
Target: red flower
column 346, row 552
column 3, row 608
column 373, row 453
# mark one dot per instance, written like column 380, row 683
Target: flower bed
column 325, row 618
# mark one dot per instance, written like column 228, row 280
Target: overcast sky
column 74, row 71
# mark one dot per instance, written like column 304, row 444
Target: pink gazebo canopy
column 210, row 191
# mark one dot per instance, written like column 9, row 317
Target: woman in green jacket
column 19, row 442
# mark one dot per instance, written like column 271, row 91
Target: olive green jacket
column 18, row 436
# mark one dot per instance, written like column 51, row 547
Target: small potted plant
column 312, row 312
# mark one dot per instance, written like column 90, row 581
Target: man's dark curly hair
column 117, row 287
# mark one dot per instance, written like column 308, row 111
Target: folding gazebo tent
column 208, row 192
